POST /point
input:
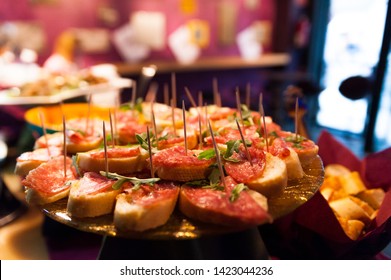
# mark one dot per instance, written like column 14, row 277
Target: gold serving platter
column 180, row 227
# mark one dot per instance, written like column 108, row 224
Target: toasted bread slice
column 120, row 162
column 142, row 210
column 293, row 165
column 84, row 202
column 28, row 161
column 34, row 197
column 174, row 164
column 47, row 183
column 274, row 178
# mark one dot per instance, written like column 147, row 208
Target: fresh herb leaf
column 142, row 140
column 296, row 140
column 236, row 191
column 165, row 137
column 216, row 187
column 207, row 154
column 214, row 176
column 134, row 180
column 232, row 146
column 246, row 115
column 273, row 134
column 118, row 184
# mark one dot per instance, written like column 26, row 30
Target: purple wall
column 63, row 14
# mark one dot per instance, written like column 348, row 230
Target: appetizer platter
column 154, row 171
column 54, row 89
column 179, row 226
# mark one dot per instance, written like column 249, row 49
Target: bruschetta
column 145, row 207
column 47, row 183
column 228, row 206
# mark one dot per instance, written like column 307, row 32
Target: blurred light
column 28, row 56
column 7, row 57
column 149, row 71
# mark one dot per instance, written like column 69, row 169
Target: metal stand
column 233, row 246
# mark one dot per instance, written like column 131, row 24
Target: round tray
column 180, row 227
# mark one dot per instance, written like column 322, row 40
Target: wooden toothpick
column 173, row 116
column 133, row 99
column 248, row 95
column 150, row 153
column 184, row 125
column 296, row 118
column 173, row 90
column 239, row 107
column 244, row 143
column 166, row 94
column 105, row 150
column 200, row 119
column 190, row 97
column 193, row 103
column 216, row 94
column 154, row 122
column 262, row 115
column 88, row 114
column 112, row 130
column 218, row 159
column 64, row 128
column 151, row 94
column 41, row 118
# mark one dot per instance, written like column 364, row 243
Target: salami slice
column 215, row 206
column 48, row 178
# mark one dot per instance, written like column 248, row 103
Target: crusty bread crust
column 33, row 197
column 22, row 168
column 182, row 173
column 293, row 165
column 307, row 156
column 86, row 205
column 130, row 216
column 274, row 178
column 126, row 165
column 73, row 148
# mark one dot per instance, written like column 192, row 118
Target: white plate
column 6, row 97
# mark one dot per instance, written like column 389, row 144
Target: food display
column 179, row 168
column 53, row 84
column 51, row 88
column 354, row 205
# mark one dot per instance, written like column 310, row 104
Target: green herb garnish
column 143, row 141
column 296, row 140
column 236, row 191
column 137, row 182
column 232, row 146
column 213, row 181
column 207, row 154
